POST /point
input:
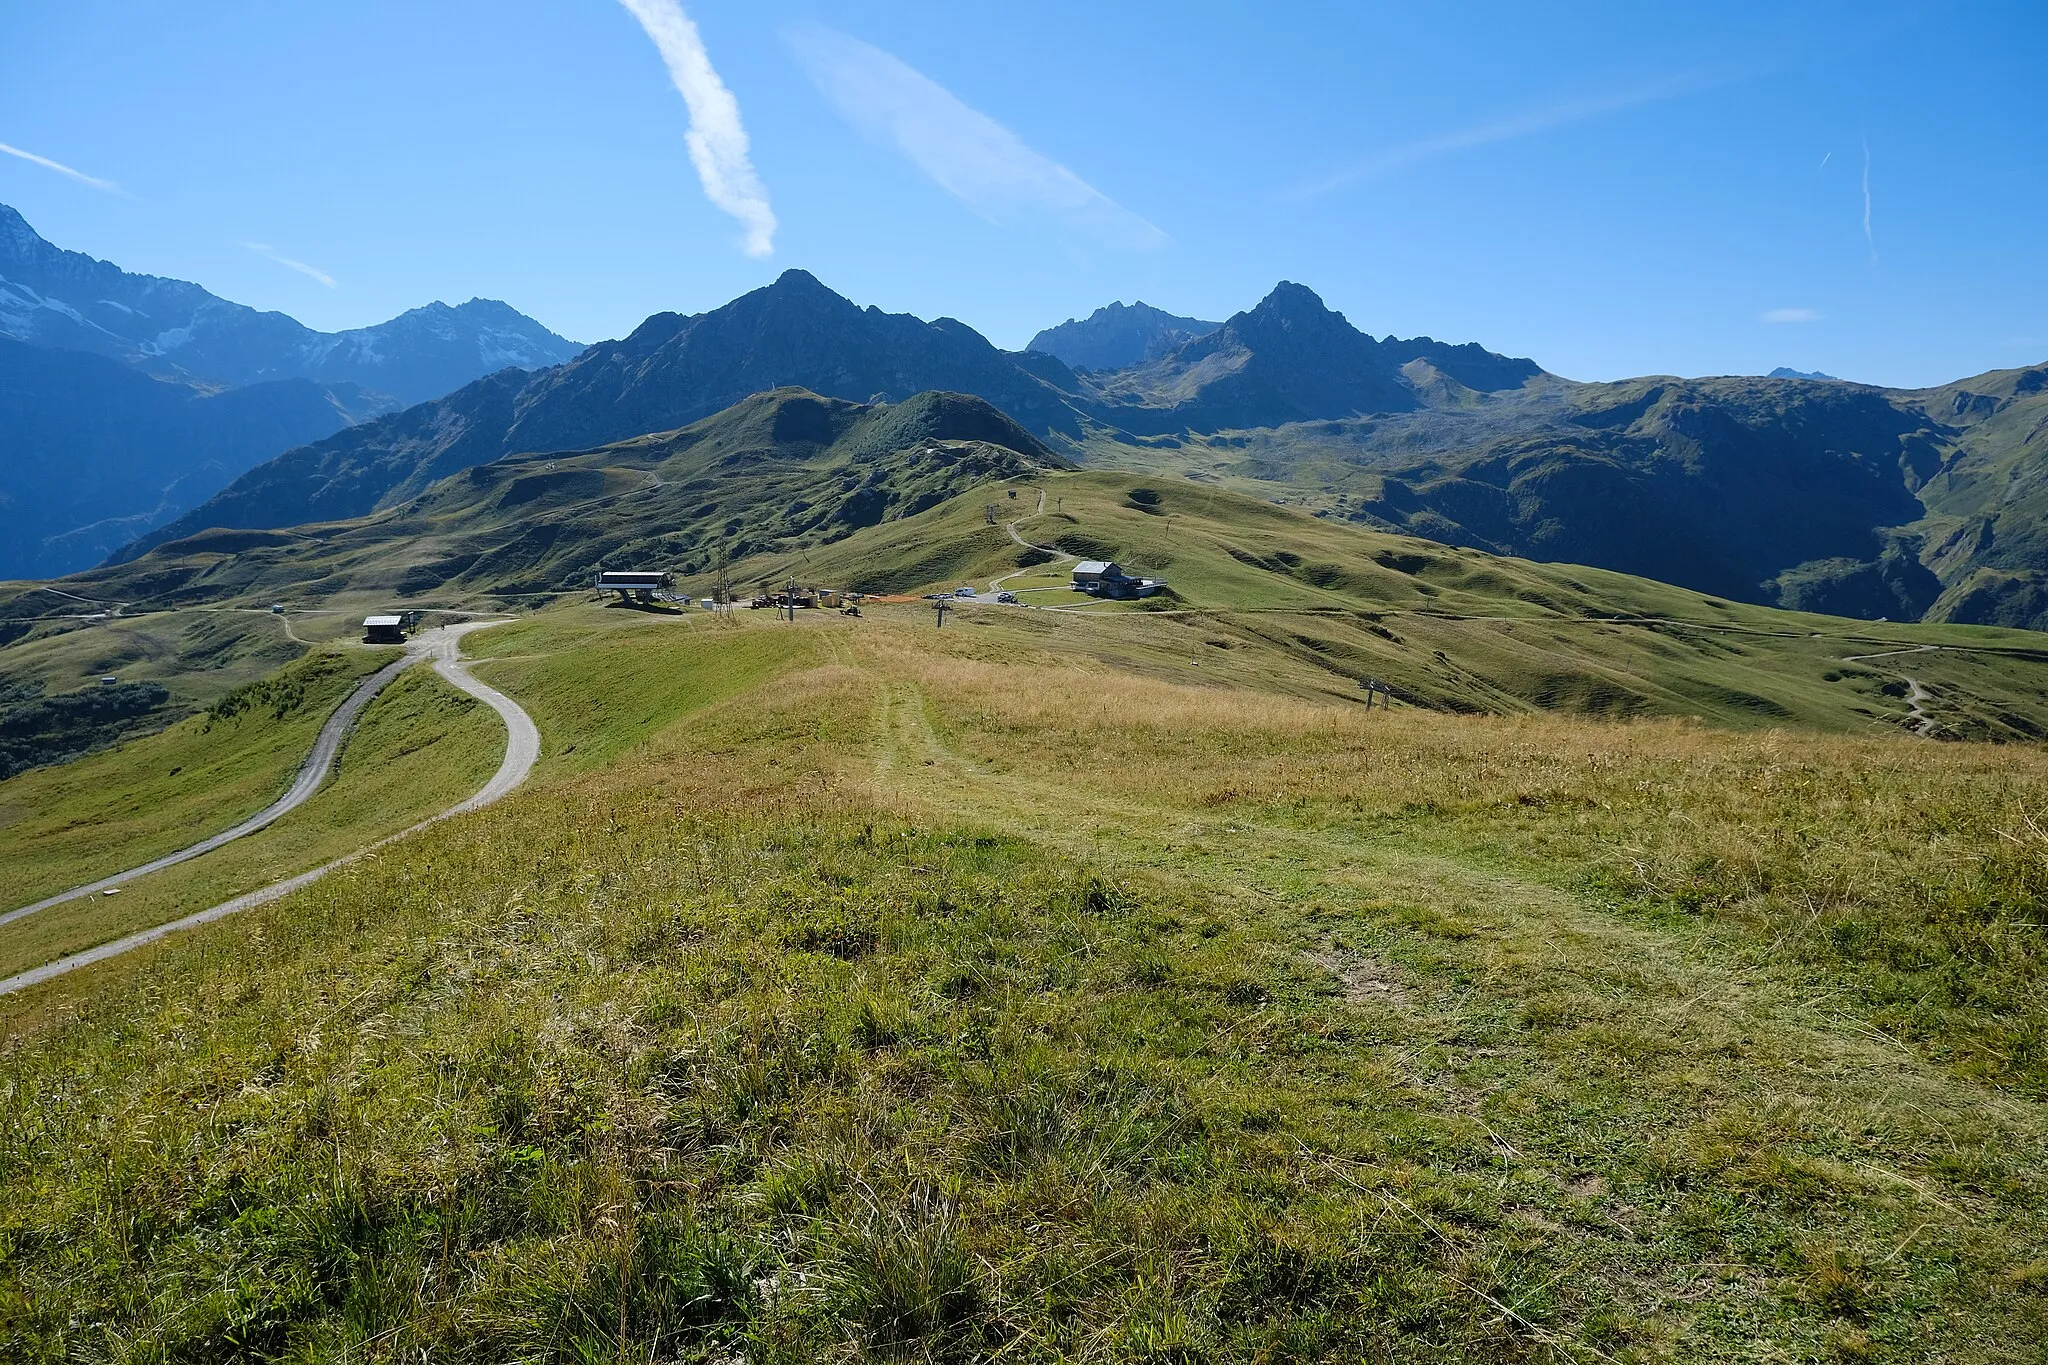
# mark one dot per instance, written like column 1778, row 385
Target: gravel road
column 442, row 645
column 312, row 775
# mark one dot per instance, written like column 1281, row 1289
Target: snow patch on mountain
column 176, row 330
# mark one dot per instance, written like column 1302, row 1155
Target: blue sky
column 1613, row 190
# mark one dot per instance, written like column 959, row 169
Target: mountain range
column 126, row 399
column 1817, row 494
column 674, row 370
column 1810, row 493
column 671, row 371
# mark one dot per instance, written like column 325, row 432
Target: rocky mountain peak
column 1118, row 335
column 801, row 285
column 19, row 241
column 1294, row 305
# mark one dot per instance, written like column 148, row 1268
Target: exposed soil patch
column 1364, row 979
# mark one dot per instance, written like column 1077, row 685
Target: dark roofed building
column 632, row 583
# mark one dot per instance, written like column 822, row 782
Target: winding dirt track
column 1059, row 556
column 442, row 645
column 1919, row 719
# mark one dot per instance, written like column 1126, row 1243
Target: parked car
column 1006, row 596
column 963, row 592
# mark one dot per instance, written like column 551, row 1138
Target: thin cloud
column 60, row 168
column 1868, row 239
column 1542, row 118
column 1792, row 315
column 717, row 139
column 972, row 157
column 269, row 252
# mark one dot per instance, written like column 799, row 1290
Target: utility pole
column 791, row 598
column 943, row 605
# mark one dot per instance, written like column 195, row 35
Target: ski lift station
column 389, row 629
column 632, row 584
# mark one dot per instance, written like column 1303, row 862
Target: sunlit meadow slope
column 1020, row 990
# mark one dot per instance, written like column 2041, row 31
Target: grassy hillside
column 1023, row 991
column 781, row 467
column 168, row 663
column 1823, row 496
column 893, row 498
column 1987, row 503
column 1317, row 604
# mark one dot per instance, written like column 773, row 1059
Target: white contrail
column 1791, row 315
column 972, row 157
column 1544, row 118
column 717, row 139
column 266, row 250
column 1824, row 161
column 1867, row 237
column 60, row 168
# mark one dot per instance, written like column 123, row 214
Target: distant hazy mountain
column 93, row 454
column 1118, row 336
column 112, row 415
column 1785, row 372
column 170, row 328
